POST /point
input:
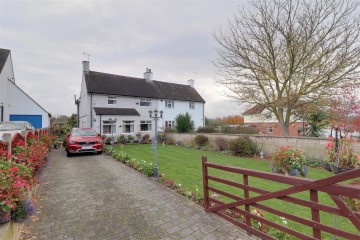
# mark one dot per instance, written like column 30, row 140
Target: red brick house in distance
column 267, row 123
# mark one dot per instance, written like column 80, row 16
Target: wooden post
column 7, row 138
column 247, row 195
column 205, row 183
column 25, row 137
column 315, row 215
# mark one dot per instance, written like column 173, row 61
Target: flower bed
column 18, row 176
column 289, row 161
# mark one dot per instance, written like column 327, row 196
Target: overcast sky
column 47, row 40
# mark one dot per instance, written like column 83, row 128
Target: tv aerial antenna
column 88, row 55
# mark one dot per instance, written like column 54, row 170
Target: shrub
column 170, row 130
column 162, row 137
column 183, row 123
column 201, row 140
column 221, row 144
column 240, row 130
column 122, row 139
column 23, row 210
column 130, row 138
column 206, row 130
column 138, row 136
column 289, row 161
column 242, row 146
column 107, row 140
column 132, row 163
column 170, row 141
column 146, row 138
column 146, row 168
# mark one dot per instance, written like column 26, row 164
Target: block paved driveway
column 96, row 197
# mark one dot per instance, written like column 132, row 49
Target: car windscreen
column 8, row 126
column 83, row 132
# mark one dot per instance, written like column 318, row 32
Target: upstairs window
column 191, row 105
column 169, row 104
column 169, row 124
column 112, row 100
column 145, row 102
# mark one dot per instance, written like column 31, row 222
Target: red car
column 81, row 140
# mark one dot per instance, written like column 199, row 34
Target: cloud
column 173, row 38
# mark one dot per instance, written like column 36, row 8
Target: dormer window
column 145, row 102
column 112, row 100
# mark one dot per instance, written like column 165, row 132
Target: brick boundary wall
column 313, row 148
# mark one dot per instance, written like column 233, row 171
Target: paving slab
column 96, row 197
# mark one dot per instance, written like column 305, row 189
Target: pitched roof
column 4, row 53
column 105, row 83
column 257, row 109
column 116, row 111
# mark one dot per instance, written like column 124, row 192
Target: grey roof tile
column 4, row 53
column 116, row 111
column 105, row 83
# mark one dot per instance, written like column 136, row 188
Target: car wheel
column 68, row 154
column 99, row 152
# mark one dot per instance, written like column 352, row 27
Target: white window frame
column 148, row 123
column 169, row 104
column 105, row 123
column 131, row 124
column 191, row 105
column 112, row 100
column 145, row 102
column 270, row 130
column 169, row 124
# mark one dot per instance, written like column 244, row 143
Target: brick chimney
column 148, row 75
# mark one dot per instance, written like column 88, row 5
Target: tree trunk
column 284, row 128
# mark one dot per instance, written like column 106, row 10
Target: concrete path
column 95, row 197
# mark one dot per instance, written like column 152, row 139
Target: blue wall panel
column 36, row 120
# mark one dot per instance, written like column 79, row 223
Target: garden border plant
column 20, row 172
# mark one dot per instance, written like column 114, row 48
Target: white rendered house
column 127, row 100
column 15, row 104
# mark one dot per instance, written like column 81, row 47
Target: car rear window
column 83, row 132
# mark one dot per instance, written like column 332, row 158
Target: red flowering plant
column 15, row 180
column 48, row 140
column 344, row 157
column 33, row 155
column 289, row 161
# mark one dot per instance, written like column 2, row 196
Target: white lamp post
column 155, row 117
column 111, row 121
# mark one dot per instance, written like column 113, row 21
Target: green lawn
column 183, row 165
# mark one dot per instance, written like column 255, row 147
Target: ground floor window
column 145, row 125
column 270, row 130
column 128, row 126
column 107, row 127
column 169, row 124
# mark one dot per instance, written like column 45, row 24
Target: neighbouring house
column 266, row 122
column 15, row 104
column 121, row 104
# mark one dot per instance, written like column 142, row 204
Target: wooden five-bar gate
column 243, row 203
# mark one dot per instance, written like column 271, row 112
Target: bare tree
column 284, row 53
